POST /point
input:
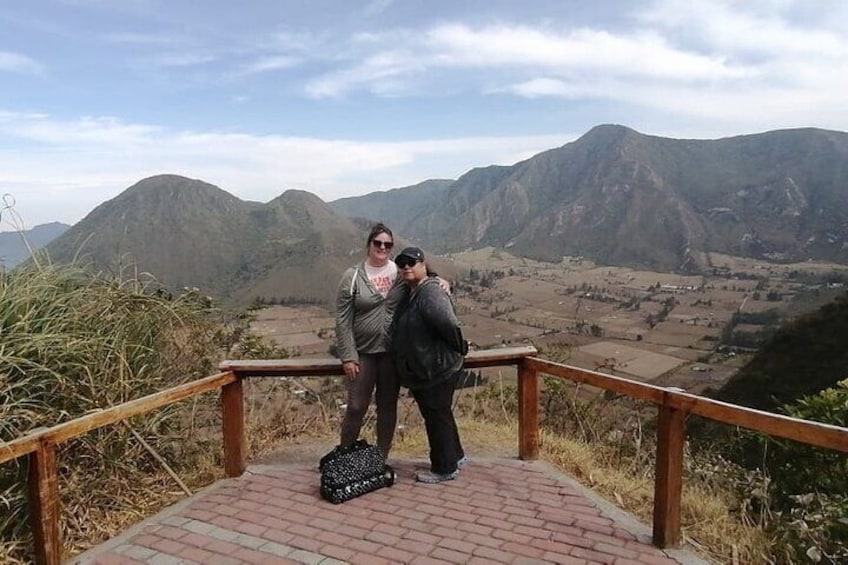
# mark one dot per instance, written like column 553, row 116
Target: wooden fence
column 40, row 445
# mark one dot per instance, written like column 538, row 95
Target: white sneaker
column 430, row 477
column 462, row 462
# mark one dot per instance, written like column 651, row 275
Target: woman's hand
column 444, row 284
column 351, row 369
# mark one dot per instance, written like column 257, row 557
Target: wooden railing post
column 528, row 411
column 232, row 408
column 669, row 476
column 44, row 504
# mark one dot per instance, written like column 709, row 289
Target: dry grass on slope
column 708, row 524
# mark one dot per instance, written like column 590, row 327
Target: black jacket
column 426, row 339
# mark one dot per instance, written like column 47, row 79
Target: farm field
column 662, row 328
column 304, row 331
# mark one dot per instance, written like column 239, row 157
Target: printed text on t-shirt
column 382, row 284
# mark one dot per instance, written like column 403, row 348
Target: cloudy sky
column 343, row 97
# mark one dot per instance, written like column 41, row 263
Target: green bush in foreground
column 797, row 493
column 72, row 342
column 810, row 485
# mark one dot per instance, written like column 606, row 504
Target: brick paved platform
column 497, row 511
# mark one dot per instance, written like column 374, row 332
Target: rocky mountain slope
column 621, row 197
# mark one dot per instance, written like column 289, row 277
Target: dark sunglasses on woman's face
column 404, row 262
column 383, row 244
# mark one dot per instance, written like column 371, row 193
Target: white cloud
column 271, row 63
column 581, row 50
column 522, row 51
column 133, row 38
column 539, row 87
column 389, row 73
column 183, row 59
column 293, row 42
column 752, row 28
column 377, row 7
column 15, row 63
column 84, row 131
column 61, row 170
column 743, row 62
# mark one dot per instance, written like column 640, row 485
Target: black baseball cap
column 411, row 252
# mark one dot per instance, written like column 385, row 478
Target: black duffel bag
column 354, row 470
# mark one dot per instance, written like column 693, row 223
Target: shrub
column 809, row 484
column 800, row 499
column 73, row 342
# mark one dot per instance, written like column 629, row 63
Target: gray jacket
column 426, row 339
column 363, row 316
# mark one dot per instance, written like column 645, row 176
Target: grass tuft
column 73, row 342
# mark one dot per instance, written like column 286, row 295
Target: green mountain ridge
column 188, row 233
column 803, row 358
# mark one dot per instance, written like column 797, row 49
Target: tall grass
column 72, row 342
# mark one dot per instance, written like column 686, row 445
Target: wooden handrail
column 71, row 429
column 804, row 431
column 673, row 405
column 330, row 366
column 633, row 389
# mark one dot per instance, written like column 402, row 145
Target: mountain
column 303, row 249
column 621, row 197
column 803, row 358
column 401, row 204
column 188, row 233
column 15, row 247
column 614, row 195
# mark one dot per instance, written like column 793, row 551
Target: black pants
column 434, row 403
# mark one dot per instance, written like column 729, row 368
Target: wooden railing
column 40, row 445
column 674, row 405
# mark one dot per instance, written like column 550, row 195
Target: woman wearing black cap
column 429, row 350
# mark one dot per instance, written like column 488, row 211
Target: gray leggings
column 374, row 369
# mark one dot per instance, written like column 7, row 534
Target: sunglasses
column 404, row 262
column 383, row 244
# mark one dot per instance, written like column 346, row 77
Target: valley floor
column 662, row 328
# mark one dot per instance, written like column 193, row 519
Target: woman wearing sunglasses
column 429, row 351
column 364, row 310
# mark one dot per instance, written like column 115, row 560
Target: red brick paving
column 497, row 511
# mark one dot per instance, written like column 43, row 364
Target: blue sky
column 343, row 97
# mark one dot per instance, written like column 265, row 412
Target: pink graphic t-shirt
column 382, row 278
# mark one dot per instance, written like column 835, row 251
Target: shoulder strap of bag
column 353, row 279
